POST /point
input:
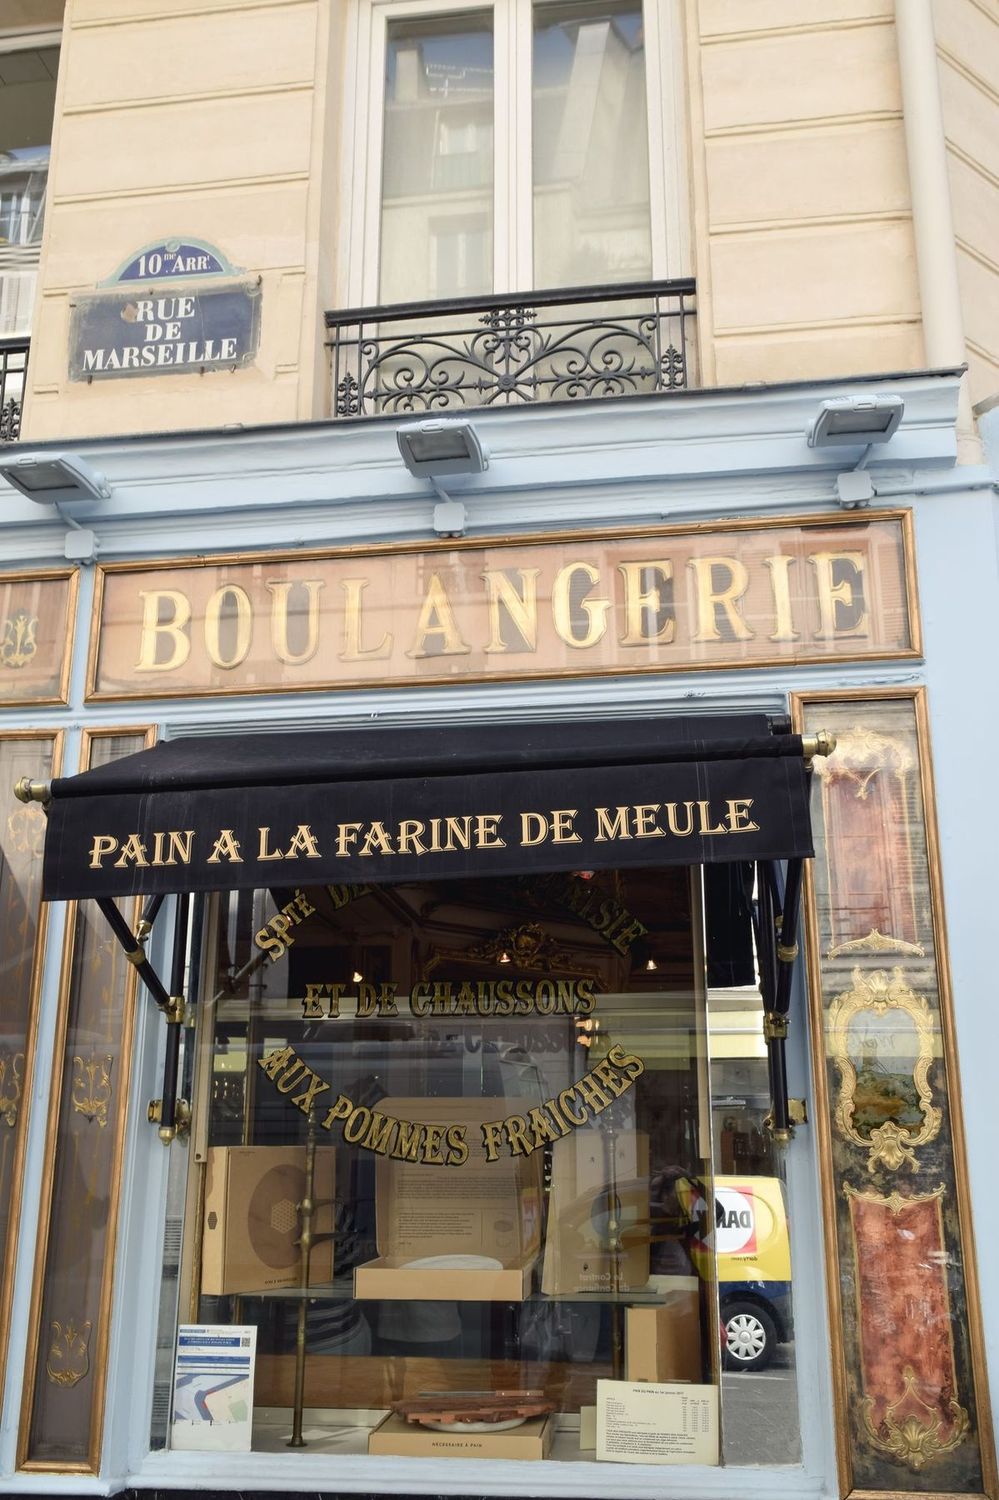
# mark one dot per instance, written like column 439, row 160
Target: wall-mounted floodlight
column 855, row 420
column 450, row 446
column 54, row 478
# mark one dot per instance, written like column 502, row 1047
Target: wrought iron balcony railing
column 13, row 371
column 506, row 350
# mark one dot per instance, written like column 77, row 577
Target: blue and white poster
column 213, row 1388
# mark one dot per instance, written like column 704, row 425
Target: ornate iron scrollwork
column 601, row 341
column 13, row 369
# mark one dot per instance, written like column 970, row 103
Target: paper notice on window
column 656, row 1424
column 213, row 1388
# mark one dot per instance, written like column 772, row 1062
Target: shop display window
column 462, row 1151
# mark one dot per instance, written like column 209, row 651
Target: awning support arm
column 136, row 955
column 777, row 947
column 165, row 1110
column 169, row 1121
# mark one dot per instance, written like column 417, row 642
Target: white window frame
column 357, row 278
column 24, row 260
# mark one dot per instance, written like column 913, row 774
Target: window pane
column 591, row 166
column 510, row 1118
column 27, row 99
column 759, row 1386
column 437, row 167
column 65, row 1391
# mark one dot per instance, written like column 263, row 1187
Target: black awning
column 400, row 804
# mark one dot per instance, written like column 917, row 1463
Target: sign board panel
column 684, row 598
column 164, row 330
column 172, row 260
column 36, row 636
column 213, row 1388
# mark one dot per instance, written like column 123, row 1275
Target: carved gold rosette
column 889, row 1144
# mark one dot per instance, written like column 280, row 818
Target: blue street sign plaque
column 164, row 330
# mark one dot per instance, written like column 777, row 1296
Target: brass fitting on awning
column 822, row 743
column 26, row 790
column 774, row 1026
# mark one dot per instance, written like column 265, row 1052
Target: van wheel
column 750, row 1336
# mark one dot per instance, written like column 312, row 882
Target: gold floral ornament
column 26, row 830
column 881, row 1039
column 526, row 947
column 912, row 1430
column 878, row 942
column 69, row 1353
column 11, row 1070
column 92, row 1087
column 18, row 642
column 861, row 753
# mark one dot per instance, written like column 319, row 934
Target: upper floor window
column 28, row 67
column 513, row 147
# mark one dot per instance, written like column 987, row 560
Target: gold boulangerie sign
column 666, row 599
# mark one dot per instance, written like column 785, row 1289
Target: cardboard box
column 397, row 1436
column 252, row 1220
column 597, row 1177
column 663, row 1344
column 478, row 1208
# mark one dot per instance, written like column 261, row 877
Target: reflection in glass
column 513, row 1072
column 78, row 1257
column 22, row 832
column 437, row 165
column 591, row 166
column 27, row 100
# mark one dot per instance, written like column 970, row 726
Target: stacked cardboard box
column 479, row 1208
column 599, row 1193
column 253, row 1221
column 663, row 1344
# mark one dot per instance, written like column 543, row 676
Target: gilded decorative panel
column 665, row 599
column 911, row 1375
column 62, row 1416
column 22, row 936
column 36, row 636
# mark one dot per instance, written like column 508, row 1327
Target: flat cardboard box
column 594, row 1173
column 390, row 1280
column 478, row 1208
column 663, row 1344
column 252, row 1220
column 406, row 1440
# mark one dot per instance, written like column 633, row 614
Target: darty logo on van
column 735, row 1222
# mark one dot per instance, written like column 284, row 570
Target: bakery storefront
column 495, row 987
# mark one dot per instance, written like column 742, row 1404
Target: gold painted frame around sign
column 17, row 638
column 889, row 1145
column 206, row 678
column 82, row 1339
column 21, row 1087
column 802, row 705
